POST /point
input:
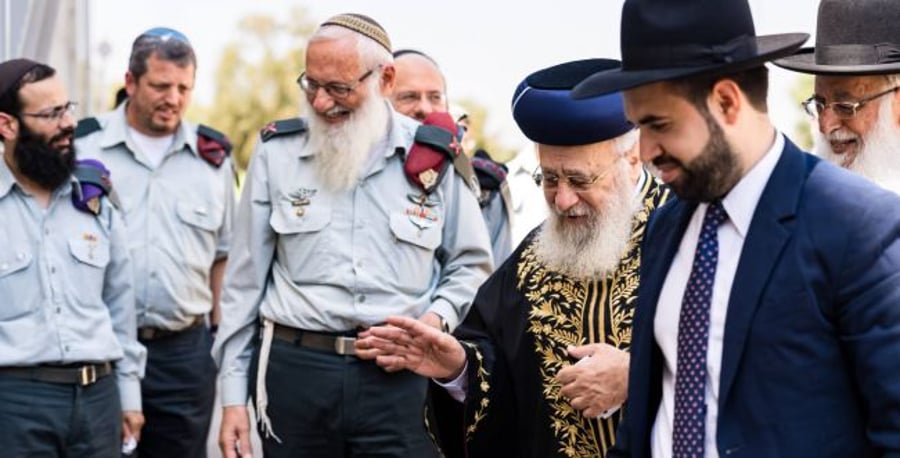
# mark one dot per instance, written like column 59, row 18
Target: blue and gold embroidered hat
column 547, row 114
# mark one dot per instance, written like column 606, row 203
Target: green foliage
column 255, row 79
column 478, row 115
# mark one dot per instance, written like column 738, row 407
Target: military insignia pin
column 428, row 178
column 93, row 204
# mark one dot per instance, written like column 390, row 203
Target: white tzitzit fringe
column 262, row 396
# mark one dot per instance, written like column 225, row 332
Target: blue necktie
column 693, row 339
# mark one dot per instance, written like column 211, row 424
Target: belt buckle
column 345, row 345
column 87, row 375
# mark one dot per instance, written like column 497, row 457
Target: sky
column 485, row 48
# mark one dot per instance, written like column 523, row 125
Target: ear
column 9, row 127
column 896, row 107
column 388, row 78
column 726, row 101
column 633, row 157
column 130, row 83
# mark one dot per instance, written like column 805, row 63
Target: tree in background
column 484, row 140
column 256, row 78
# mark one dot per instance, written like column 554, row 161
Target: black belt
column 75, row 374
column 339, row 343
column 148, row 333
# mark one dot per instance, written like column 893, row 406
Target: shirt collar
column 7, row 180
column 116, row 131
column 740, row 203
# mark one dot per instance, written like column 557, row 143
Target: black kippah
column 12, row 71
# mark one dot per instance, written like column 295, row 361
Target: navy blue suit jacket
column 811, row 352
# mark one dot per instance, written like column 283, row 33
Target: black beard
column 712, row 173
column 37, row 160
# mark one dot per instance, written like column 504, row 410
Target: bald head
column 419, row 87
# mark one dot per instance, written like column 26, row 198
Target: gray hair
column 623, row 143
column 893, row 79
column 169, row 49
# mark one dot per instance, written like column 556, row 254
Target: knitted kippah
column 362, row 24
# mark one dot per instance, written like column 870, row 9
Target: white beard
column 879, row 154
column 342, row 150
column 593, row 250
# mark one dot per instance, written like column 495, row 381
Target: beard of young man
column 711, row 174
column 879, row 151
column 38, row 160
column 342, row 150
column 593, row 248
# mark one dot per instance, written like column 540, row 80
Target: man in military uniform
column 420, row 90
column 856, row 103
column 543, row 355
column 176, row 185
column 67, row 322
column 339, row 226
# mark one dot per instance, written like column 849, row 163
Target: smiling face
column 337, row 61
column 158, row 99
column 845, row 139
column 685, row 145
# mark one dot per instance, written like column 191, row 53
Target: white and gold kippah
column 362, row 24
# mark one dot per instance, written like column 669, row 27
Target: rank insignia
column 300, row 198
column 422, row 213
column 93, row 204
column 428, row 177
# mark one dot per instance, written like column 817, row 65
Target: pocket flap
column 287, row 218
column 405, row 230
column 13, row 261
column 199, row 215
column 94, row 253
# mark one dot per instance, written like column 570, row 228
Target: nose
column 68, row 120
column 649, row 149
column 321, row 101
column 565, row 198
column 828, row 121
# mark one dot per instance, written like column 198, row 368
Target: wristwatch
column 445, row 326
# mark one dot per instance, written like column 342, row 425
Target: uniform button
column 153, row 274
column 20, row 256
column 52, row 269
column 66, row 348
column 46, row 231
column 58, row 310
column 359, row 264
column 361, row 298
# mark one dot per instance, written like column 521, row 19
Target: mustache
column 65, row 134
column 665, row 159
column 841, row 135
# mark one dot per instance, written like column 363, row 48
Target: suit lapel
column 770, row 229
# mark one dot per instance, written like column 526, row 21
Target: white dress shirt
column 740, row 204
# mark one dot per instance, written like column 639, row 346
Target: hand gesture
column 407, row 343
column 598, row 381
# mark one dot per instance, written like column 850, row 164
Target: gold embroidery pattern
column 565, row 312
column 484, row 389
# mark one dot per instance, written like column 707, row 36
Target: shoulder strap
column 435, row 144
column 94, row 183
column 87, row 126
column 213, row 146
column 282, row 127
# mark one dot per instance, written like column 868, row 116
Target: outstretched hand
column 407, row 343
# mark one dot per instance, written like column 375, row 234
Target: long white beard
column 879, row 156
column 342, row 150
column 593, row 250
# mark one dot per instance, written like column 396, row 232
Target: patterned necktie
column 693, row 338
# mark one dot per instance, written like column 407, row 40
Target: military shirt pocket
column 12, row 261
column 427, row 236
column 200, row 215
column 90, row 252
column 288, row 218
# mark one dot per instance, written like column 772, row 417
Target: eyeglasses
column 578, row 183
column 54, row 114
column 412, row 97
column 815, row 106
column 335, row 90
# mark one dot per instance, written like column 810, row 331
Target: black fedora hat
column 853, row 37
column 668, row 39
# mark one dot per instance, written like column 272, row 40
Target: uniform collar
column 115, row 132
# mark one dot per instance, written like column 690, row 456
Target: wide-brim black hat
column 663, row 40
column 853, row 37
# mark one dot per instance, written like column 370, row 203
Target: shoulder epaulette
column 435, row 146
column 87, row 126
column 490, row 173
column 282, row 127
column 93, row 179
column 213, row 146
